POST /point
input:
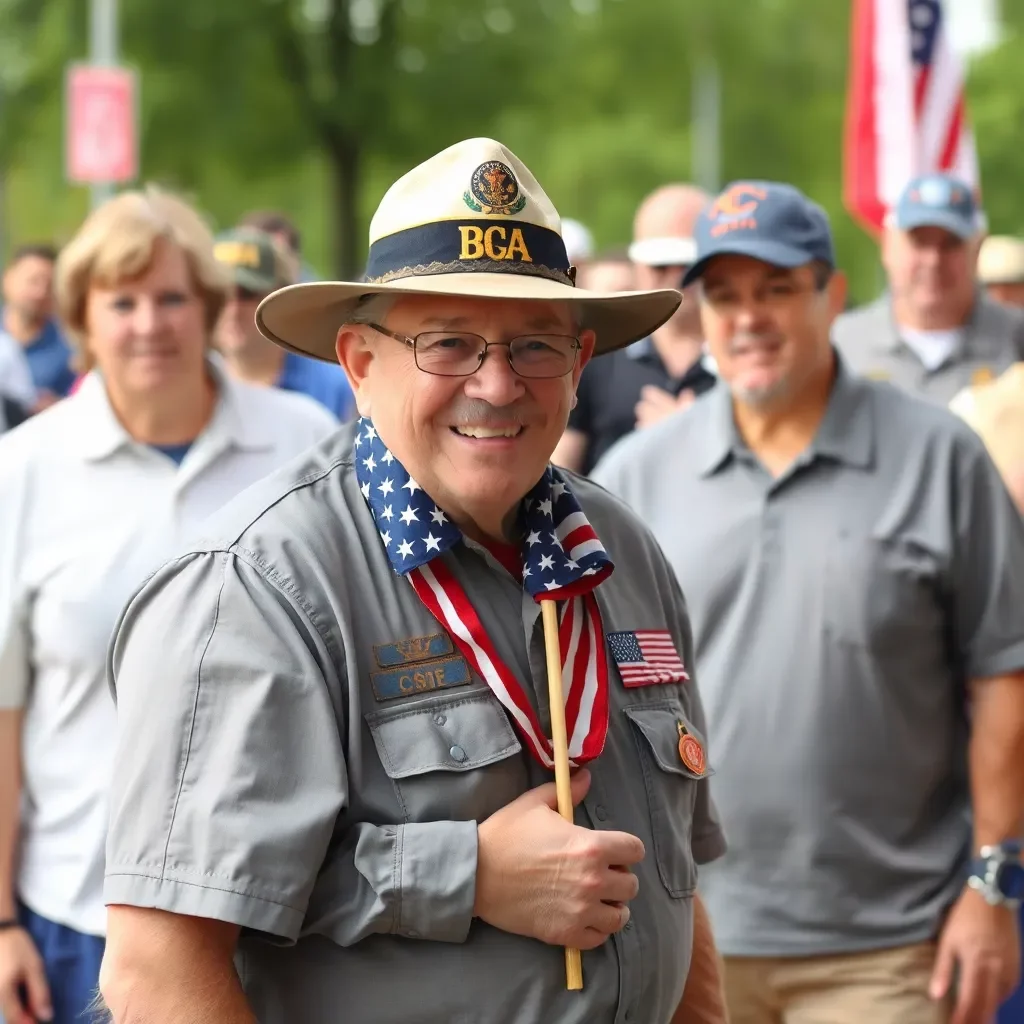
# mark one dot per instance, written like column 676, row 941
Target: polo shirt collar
column 889, row 338
column 846, row 432
column 642, row 349
column 232, row 425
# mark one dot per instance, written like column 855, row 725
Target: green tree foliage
column 314, row 106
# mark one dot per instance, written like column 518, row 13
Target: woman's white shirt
column 86, row 513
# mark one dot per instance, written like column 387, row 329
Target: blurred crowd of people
column 138, row 396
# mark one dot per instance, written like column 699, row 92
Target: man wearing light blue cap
column 854, row 572
column 935, row 332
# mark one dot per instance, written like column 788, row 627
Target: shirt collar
column 846, row 432
column 232, row 425
column 642, row 349
column 892, row 340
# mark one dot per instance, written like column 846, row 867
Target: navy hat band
column 493, row 246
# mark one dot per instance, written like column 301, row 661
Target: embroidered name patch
column 416, row 648
column 420, row 677
column 646, row 657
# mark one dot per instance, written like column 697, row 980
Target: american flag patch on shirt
column 646, row 657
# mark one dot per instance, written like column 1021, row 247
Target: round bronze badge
column 691, row 753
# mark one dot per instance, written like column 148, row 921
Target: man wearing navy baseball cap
column 853, row 567
column 935, row 331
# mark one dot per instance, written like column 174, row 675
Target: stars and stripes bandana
column 563, row 560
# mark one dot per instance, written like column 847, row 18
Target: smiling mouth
column 484, row 433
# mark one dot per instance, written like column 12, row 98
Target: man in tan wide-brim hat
column 346, row 745
column 1001, row 269
column 995, row 409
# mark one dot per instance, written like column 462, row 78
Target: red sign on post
column 101, row 145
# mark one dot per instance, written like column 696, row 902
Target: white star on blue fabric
column 416, row 530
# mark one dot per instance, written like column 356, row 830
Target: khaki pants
column 881, row 987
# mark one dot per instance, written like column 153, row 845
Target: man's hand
column 655, row 405
column 981, row 943
column 541, row 876
column 21, row 965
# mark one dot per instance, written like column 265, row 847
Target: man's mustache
column 474, row 412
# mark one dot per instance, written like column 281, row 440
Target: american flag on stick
column 905, row 113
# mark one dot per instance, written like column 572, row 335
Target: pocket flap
column 449, row 734
column 658, row 725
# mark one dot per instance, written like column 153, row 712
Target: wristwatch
column 998, row 874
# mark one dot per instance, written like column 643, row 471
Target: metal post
column 705, row 146
column 102, row 53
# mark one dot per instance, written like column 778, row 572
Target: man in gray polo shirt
column 935, row 331
column 854, row 570
column 334, row 764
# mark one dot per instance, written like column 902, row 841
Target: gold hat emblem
column 494, row 189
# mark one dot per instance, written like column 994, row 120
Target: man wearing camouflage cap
column 260, row 266
column 336, row 770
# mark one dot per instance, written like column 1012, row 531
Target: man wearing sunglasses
column 259, row 266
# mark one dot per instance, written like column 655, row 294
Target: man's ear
column 355, row 356
column 588, row 339
column 838, row 287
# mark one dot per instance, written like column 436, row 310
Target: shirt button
column 602, row 814
column 628, row 927
column 439, row 719
column 458, row 753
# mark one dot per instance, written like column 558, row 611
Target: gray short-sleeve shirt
column 838, row 613
column 870, row 342
column 303, row 752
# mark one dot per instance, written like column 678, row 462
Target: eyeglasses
column 461, row 354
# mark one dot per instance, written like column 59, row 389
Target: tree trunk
column 346, row 245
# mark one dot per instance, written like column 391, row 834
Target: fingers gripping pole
column 559, row 741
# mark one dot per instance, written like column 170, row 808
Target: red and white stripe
column 901, row 120
column 661, row 663
column 584, row 664
column 577, row 536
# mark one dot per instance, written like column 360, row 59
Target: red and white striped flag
column 905, row 112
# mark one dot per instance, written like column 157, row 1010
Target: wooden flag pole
column 560, row 743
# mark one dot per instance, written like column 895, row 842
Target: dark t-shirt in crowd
column 610, row 389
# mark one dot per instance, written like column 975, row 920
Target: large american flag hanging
column 905, row 111
column 563, row 560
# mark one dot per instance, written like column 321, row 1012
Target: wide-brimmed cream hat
column 994, row 408
column 1001, row 260
column 471, row 221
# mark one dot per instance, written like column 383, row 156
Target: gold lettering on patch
column 415, row 649
column 493, row 251
column 472, row 242
column 517, row 244
column 477, row 243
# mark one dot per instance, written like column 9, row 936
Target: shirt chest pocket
column 671, row 788
column 453, row 758
column 881, row 594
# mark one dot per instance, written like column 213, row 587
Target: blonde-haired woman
column 94, row 494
